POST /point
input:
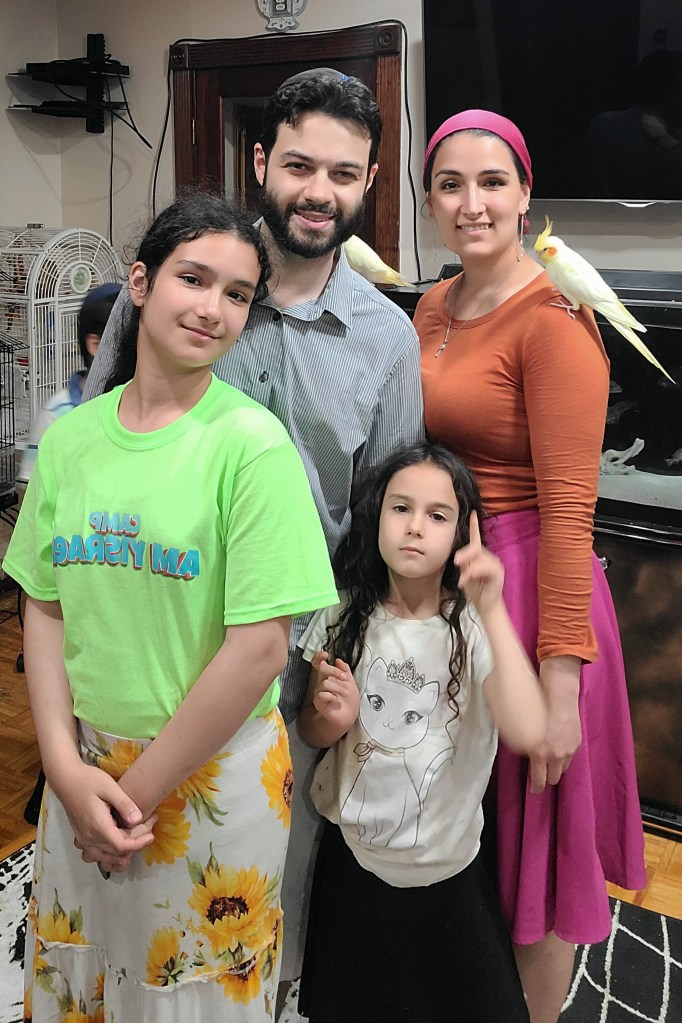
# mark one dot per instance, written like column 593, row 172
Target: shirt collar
column 336, row 298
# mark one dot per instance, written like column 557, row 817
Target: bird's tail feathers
column 616, row 313
column 628, row 319
column 391, row 276
column 637, row 342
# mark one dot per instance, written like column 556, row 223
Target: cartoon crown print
column 406, row 674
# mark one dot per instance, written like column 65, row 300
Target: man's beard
column 278, row 221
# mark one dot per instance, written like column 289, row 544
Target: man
column 329, row 355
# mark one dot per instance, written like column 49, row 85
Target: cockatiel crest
column 545, row 245
column 581, row 284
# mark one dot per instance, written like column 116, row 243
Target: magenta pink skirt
column 556, row 849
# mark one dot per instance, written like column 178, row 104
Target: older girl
column 167, row 537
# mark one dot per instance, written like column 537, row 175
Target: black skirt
column 435, row 954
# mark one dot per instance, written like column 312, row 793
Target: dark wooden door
column 206, row 75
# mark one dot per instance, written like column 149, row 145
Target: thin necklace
column 473, row 316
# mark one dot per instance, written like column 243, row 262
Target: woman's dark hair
column 362, row 573
column 478, row 133
column 190, row 217
column 330, row 93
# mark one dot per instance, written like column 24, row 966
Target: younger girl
column 167, row 537
column 411, row 675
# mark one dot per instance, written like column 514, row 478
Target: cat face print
column 396, row 704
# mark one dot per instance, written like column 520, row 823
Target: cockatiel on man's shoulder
column 581, row 284
column 369, row 263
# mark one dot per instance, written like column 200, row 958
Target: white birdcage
column 45, row 274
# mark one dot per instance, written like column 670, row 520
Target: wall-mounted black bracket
column 89, row 72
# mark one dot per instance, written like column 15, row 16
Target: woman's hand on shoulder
column 337, row 698
column 560, row 681
column 481, row 573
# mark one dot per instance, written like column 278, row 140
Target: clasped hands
column 108, row 827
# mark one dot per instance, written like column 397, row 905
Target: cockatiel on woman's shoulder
column 581, row 284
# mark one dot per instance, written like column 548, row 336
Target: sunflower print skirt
column 193, row 929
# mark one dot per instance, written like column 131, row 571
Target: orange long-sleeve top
column 520, row 394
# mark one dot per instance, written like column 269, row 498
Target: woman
column 517, row 385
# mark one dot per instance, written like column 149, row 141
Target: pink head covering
column 488, row 121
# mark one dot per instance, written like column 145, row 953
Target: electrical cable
column 166, row 116
column 164, row 128
column 95, row 106
column 408, row 118
column 130, row 114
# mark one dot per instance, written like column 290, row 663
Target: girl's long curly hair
column 363, row 574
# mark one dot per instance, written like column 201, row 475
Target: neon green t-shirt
column 154, row 542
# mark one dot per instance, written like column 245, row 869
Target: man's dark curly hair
column 330, row 93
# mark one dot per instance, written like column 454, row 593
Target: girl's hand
column 481, row 574
column 94, row 804
column 337, row 698
column 109, row 862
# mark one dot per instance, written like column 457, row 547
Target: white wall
column 136, row 35
column 139, row 35
column 30, row 146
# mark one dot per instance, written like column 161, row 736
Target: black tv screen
column 594, row 85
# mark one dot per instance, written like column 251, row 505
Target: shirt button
column 277, row 315
column 263, row 377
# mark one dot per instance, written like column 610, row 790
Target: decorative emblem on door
column 280, row 13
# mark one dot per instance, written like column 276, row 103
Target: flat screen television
column 595, row 86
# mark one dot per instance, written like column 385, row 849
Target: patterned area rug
column 634, row 977
column 15, row 888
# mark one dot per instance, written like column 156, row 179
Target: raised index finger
column 474, row 531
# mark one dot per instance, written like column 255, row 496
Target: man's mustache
column 311, row 207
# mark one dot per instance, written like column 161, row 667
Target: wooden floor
column 19, row 765
column 19, row 760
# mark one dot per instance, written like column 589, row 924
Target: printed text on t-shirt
column 115, row 541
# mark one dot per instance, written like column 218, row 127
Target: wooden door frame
column 198, row 94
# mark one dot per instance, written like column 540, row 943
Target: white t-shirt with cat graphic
column 406, row 782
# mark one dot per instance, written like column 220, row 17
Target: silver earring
column 523, row 227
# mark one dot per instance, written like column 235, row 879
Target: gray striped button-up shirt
column 342, row 374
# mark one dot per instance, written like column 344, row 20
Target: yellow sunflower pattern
column 236, row 908
column 172, row 830
column 72, row 1013
column 242, row 985
column 165, row 961
column 28, row 1004
column 235, row 926
column 217, row 920
column 199, row 788
column 56, row 925
column 171, row 833
column 278, row 778
column 70, row 1009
